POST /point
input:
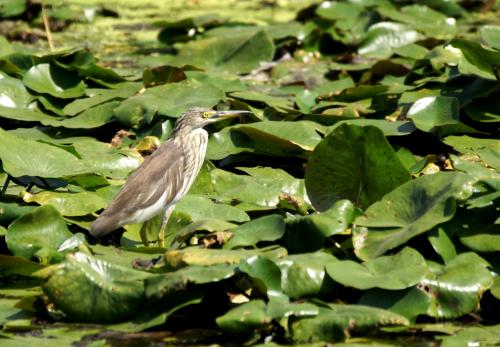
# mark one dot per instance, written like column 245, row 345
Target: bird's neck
column 184, row 135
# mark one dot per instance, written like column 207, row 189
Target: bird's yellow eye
column 206, row 114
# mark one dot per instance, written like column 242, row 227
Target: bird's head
column 198, row 117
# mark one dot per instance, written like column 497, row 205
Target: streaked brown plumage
column 164, row 177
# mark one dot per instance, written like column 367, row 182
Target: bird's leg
column 161, row 234
column 143, row 235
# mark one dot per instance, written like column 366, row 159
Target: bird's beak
column 220, row 115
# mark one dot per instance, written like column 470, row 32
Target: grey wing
column 159, row 174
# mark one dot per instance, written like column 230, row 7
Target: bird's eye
column 206, row 114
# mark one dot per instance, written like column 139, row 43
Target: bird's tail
column 103, row 225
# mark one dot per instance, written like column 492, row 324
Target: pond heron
column 164, row 177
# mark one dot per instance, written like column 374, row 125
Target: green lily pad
column 304, row 274
column 245, row 318
column 209, row 225
column 397, row 128
column 11, row 267
column 99, row 96
column 409, row 303
column 278, row 102
column 442, row 244
column 171, row 99
column 86, row 64
column 382, row 37
column 266, row 228
column 27, row 115
column 266, row 276
column 99, row 157
column 409, row 210
column 208, row 256
column 178, row 31
column 475, row 228
column 339, row 321
column 277, row 309
column 23, row 157
column 12, row 209
column 13, row 93
column 276, row 31
column 265, row 188
column 117, row 292
column 93, row 117
column 478, row 171
column 481, row 335
column 495, row 287
column 309, row 233
column 38, row 234
column 484, row 110
column 394, row 272
column 491, row 34
column 158, row 286
column 53, row 80
column 199, row 207
column 68, row 204
column 270, row 138
column 355, row 163
column 485, row 60
column 424, row 19
column 464, row 143
column 12, row 8
column 270, row 178
column 434, row 111
column 237, row 53
column 455, row 288
column 350, row 20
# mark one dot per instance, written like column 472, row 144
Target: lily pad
column 171, row 99
column 99, row 96
column 99, row 157
column 491, row 34
column 394, row 272
column 93, row 117
column 355, row 163
column 68, row 204
column 12, row 209
column 382, row 37
column 410, row 303
column 483, row 335
column 201, row 207
column 22, row 157
column 205, row 257
column 12, row 267
column 117, row 292
column 266, row 276
column 38, row 234
column 258, row 191
column 13, row 93
column 53, row 80
column 483, row 59
column 162, row 285
column 270, row 138
column 309, row 233
column 236, row 53
column 389, row 128
column 455, row 288
column 245, row 318
column 434, row 111
column 409, row 210
column 338, row 321
column 267, row 228
column 304, row 274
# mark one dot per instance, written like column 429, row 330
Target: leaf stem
column 46, row 25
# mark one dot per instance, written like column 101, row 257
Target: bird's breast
column 194, row 147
